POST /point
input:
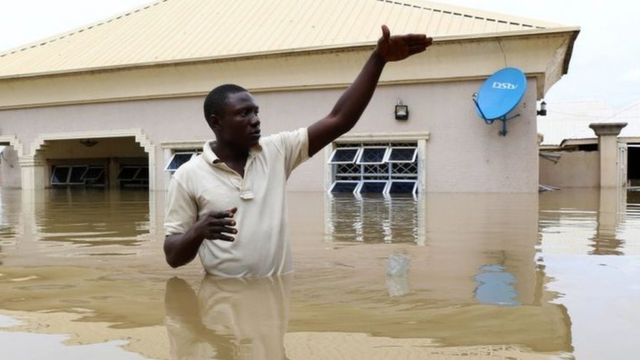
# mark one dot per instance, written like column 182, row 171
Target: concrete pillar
column 114, row 168
column 33, row 172
column 610, row 212
column 608, row 147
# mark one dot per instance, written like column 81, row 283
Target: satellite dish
column 499, row 95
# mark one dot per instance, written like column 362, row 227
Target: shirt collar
column 211, row 158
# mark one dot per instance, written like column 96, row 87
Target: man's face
column 239, row 125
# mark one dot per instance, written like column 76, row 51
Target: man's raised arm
column 355, row 99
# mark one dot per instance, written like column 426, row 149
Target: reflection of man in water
column 228, row 319
column 228, row 205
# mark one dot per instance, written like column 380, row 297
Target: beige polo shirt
column 206, row 184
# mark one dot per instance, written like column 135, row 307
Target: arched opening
column 95, row 162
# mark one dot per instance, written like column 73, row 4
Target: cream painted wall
column 575, row 169
column 463, row 154
column 9, row 168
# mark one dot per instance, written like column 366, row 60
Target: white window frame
column 357, row 182
column 387, row 190
column 166, row 167
column 358, row 190
column 94, row 178
column 358, row 151
column 133, row 178
column 364, row 148
column 413, row 159
column 81, row 182
column 66, row 181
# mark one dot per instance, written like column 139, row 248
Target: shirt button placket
column 245, row 190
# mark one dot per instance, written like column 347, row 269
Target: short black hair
column 215, row 101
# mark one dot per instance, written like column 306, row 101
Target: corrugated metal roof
column 189, row 30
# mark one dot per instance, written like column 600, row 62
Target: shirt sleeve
column 295, row 146
column 181, row 210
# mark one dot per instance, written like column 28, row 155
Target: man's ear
column 214, row 122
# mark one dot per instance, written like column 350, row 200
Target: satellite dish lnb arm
column 475, row 101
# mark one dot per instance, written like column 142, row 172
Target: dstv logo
column 504, row 85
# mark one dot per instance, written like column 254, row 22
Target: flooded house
column 591, row 144
column 118, row 103
column 479, row 266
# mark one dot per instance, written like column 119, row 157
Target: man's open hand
column 400, row 47
column 217, row 225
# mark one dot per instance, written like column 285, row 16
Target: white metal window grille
column 404, row 170
column 387, row 168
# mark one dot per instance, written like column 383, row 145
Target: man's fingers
column 221, row 233
column 386, row 34
column 415, row 42
column 223, row 237
column 422, row 38
column 222, row 222
column 417, row 49
column 225, row 229
column 223, row 214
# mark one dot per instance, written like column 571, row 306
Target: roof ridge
column 75, row 31
column 451, row 11
column 118, row 41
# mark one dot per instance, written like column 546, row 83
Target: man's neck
column 234, row 158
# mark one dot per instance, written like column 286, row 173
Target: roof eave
column 317, row 49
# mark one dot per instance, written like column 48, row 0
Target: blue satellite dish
column 499, row 95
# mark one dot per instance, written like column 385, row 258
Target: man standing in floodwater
column 228, row 204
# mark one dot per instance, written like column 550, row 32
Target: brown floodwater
column 478, row 276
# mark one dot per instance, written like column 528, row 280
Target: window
column 344, row 155
column 402, row 187
column 95, row 176
column 134, row 176
column 77, row 174
column 401, row 154
column 59, row 175
column 143, row 174
column 94, row 173
column 128, row 172
column 344, row 186
column 372, row 187
column 372, row 155
column 386, row 168
column 180, row 158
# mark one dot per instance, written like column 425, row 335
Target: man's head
column 232, row 114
